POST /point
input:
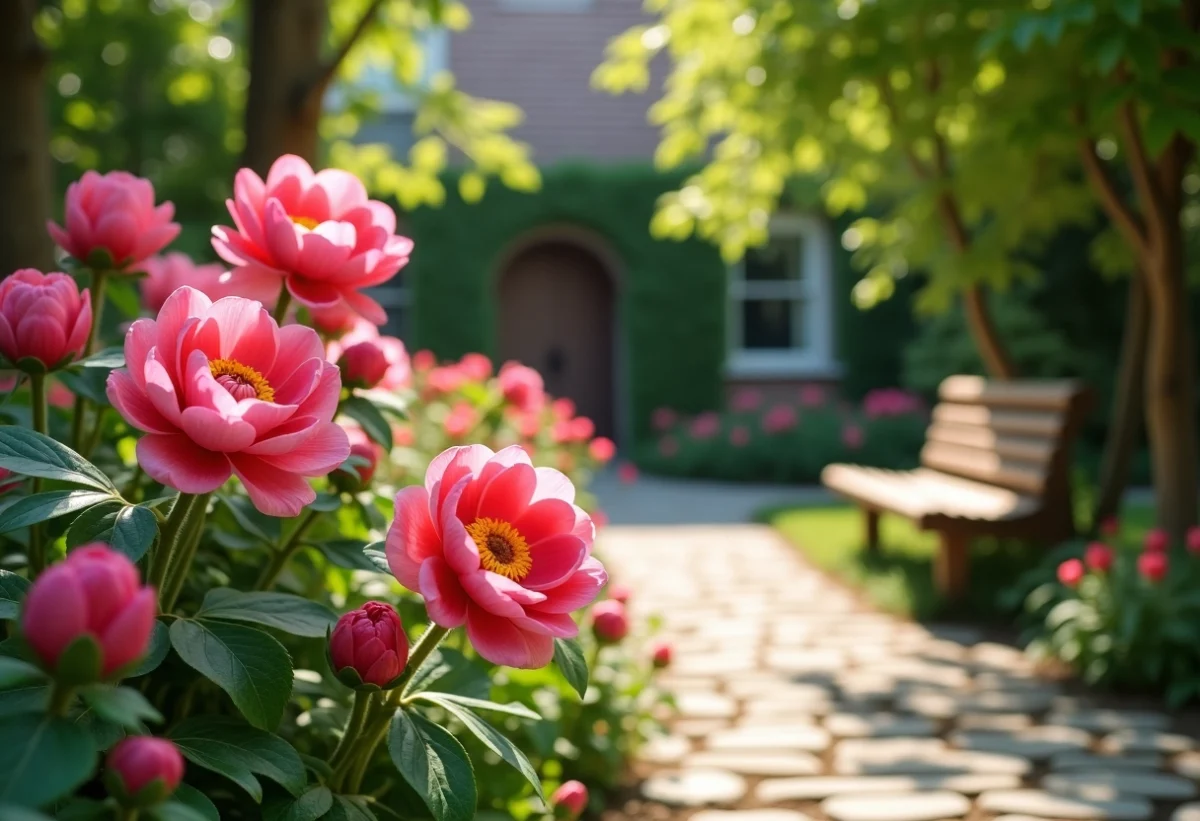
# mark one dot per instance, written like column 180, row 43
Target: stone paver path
column 795, row 702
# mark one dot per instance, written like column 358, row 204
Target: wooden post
column 871, row 520
column 951, row 572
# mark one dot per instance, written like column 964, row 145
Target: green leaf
column 248, row 664
column 292, row 614
column 129, row 529
column 568, row 655
column 29, row 453
column 42, row 758
column 369, row 417
column 347, row 553
column 1026, row 31
column 175, row 811
column 120, row 705
column 1109, row 52
column 349, row 808
column 1129, row 10
column 11, row 812
column 41, row 507
column 198, row 801
column 377, row 558
column 124, row 296
column 12, row 593
column 239, row 752
column 15, row 671
column 512, row 708
column 314, row 803
column 160, row 645
column 434, row 764
column 250, row 520
column 449, row 671
column 492, row 738
column 108, row 358
column 88, row 384
column 29, row 698
column 326, row 502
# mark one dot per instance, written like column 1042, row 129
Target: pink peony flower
column 660, row 654
column 562, row 409
column 403, row 436
column 1153, row 566
column 317, row 232
column 663, row 419
column 332, row 321
column 94, row 592
column 137, row 761
column 852, row 436
column 424, row 360
column 398, row 373
column 370, row 641
column 746, row 399
column 1098, row 557
column 528, row 424
column 627, row 473
column 43, row 318
column 602, row 449
column 1071, row 572
column 169, row 272
column 561, row 432
column 890, row 402
column 111, row 221
column 739, row 437
column 363, row 365
column 220, row 389
column 812, row 396
column 1157, row 541
column 582, row 429
column 620, row 592
column 365, row 448
column 569, row 800
column 610, row 622
column 498, row 545
column 522, row 386
column 476, row 367
column 1192, row 540
column 779, row 419
column 462, row 419
column 445, row 379
column 668, row 447
column 705, row 426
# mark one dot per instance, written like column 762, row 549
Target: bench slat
column 984, row 466
column 1049, row 394
column 1038, row 451
column 1015, row 423
column 918, row 494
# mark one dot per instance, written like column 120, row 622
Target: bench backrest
column 1015, row 435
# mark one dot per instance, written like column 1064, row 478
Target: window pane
column 767, row 323
column 778, row 260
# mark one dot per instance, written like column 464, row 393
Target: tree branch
column 1145, row 180
column 889, row 102
column 329, row 68
column 1118, row 210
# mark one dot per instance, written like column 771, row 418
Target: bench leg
column 871, row 523
column 952, row 569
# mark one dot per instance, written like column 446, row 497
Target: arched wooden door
column 556, row 315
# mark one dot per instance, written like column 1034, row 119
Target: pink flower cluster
column 883, row 402
column 44, row 319
column 112, row 222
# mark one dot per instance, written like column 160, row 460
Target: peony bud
column 602, row 449
column 1156, row 541
column 1098, row 557
column 610, row 623
column 369, row 646
column 143, row 770
column 92, row 595
column 620, row 592
column 522, row 386
column 1071, row 572
column 660, row 654
column 1192, row 540
column 475, row 366
column 1153, row 566
column 358, row 476
column 569, row 800
column 363, row 365
column 111, row 221
column 44, row 320
column 1109, row 526
column 424, row 360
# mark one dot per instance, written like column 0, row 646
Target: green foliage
column 42, row 758
column 434, row 764
column 240, row 752
column 568, row 657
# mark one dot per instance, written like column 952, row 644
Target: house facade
column 569, row 280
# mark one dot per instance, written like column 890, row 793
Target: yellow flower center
column 242, row 381
column 307, row 222
column 501, row 548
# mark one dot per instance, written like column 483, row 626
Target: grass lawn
column 899, row 579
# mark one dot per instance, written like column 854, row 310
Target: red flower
column 602, row 449
column 424, row 360
column 1192, row 540
column 136, row 762
column 1071, row 572
column 475, row 366
column 1098, row 557
column 363, row 365
column 1109, row 526
column 1157, row 541
column 620, row 592
column 660, row 654
column 569, row 800
column 522, row 386
column 370, row 641
column 1153, row 566
column 610, row 622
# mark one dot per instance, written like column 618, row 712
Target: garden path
column 796, row 701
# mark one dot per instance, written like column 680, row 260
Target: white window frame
column 812, row 305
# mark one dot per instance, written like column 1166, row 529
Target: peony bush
column 259, row 564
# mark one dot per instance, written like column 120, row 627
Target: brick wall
column 539, row 54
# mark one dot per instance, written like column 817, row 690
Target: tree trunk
column 1171, row 385
column 1129, row 396
column 283, row 105
column 24, row 153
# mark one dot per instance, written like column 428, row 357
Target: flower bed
column 264, row 565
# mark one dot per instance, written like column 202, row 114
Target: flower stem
column 99, row 281
column 282, row 304
column 184, row 557
column 283, row 554
column 343, row 754
column 127, row 814
column 37, row 546
column 60, row 699
column 173, row 537
column 425, row 645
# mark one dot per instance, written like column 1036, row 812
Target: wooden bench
column 996, row 461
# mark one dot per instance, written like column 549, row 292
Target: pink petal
column 139, row 339
column 323, row 400
column 453, row 464
column 412, row 538
column 321, row 453
column 273, row 491
column 445, row 600
column 282, row 240
column 580, row 590
column 297, row 344
column 344, row 190
column 176, row 461
column 498, row 594
column 154, row 240
column 285, row 438
column 544, row 519
column 78, row 337
column 201, row 389
column 365, row 306
column 247, row 332
column 54, row 612
column 264, row 416
column 506, row 497
column 128, row 635
column 182, row 305
column 559, row 625
column 297, row 386
column 324, row 249
column 212, row 431
column 501, row 642
column 161, row 390
column 554, row 560
column 313, row 293
column 584, row 528
column 134, row 405
column 249, row 190
column 289, row 165
column 457, row 545
column 552, row 484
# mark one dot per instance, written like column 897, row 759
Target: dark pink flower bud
column 137, row 762
column 44, row 319
column 1153, row 566
column 620, row 592
column 111, row 220
column 610, row 621
column 1098, row 557
column 424, row 360
column 1156, row 541
column 369, row 452
column 1192, row 540
column 522, row 386
column 1071, row 572
column 602, row 449
column 371, row 642
column 569, row 800
column 363, row 365
column 94, row 592
column 660, row 654
column 475, row 366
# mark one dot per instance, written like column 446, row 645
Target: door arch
column 557, row 302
